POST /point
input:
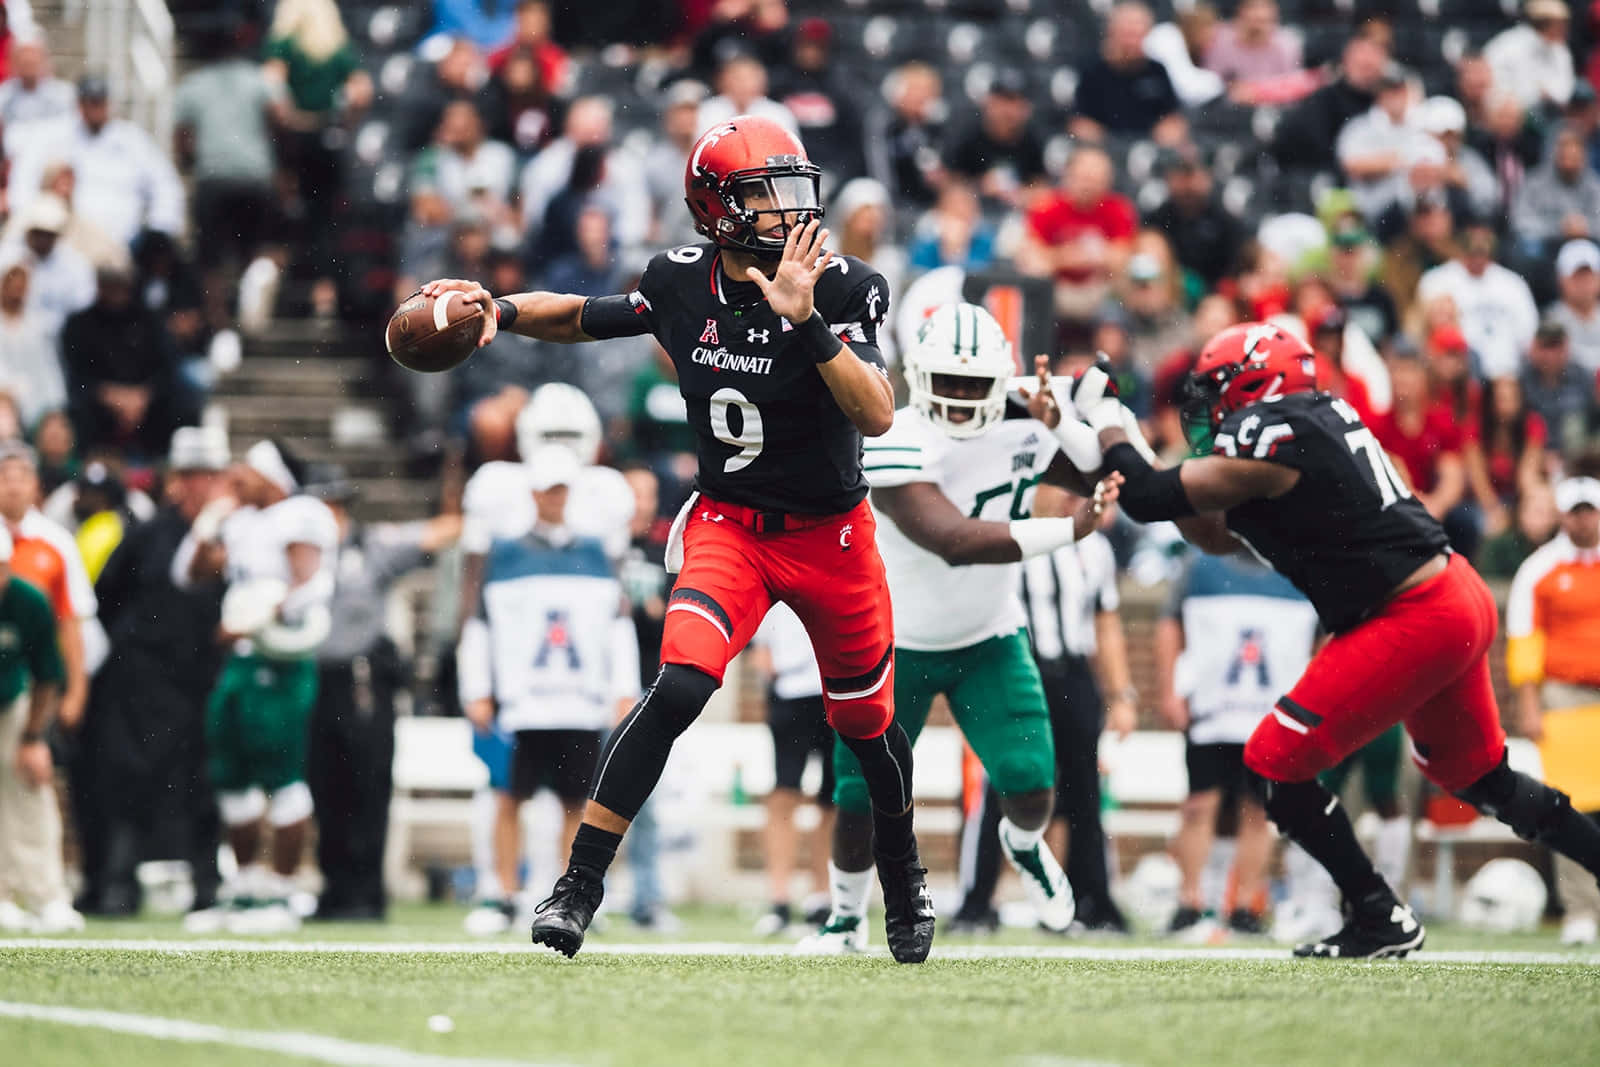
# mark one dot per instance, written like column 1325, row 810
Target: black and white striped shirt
column 1063, row 591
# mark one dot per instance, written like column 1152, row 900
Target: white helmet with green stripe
column 958, row 370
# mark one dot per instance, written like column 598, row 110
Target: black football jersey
column 1349, row 531
column 770, row 434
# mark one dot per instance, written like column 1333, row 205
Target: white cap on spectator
column 1576, row 492
column 1576, row 255
column 550, row 466
column 198, row 448
column 1546, row 9
column 5, row 545
column 1442, row 115
column 48, row 212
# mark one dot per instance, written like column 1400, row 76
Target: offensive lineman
column 775, row 344
column 1294, row 474
column 954, row 478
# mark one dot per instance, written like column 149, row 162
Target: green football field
column 130, row 994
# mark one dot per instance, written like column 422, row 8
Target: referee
column 1071, row 599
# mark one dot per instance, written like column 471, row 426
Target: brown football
column 432, row 335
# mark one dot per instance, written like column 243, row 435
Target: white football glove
column 1096, row 402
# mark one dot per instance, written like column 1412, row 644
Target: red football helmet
column 745, row 168
column 1240, row 366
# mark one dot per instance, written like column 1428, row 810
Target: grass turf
column 625, row 1010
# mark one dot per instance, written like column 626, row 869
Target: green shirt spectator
column 28, row 651
column 313, row 84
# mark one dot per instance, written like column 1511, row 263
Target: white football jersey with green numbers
column 938, row 607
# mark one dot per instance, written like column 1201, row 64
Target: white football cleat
column 13, row 920
column 490, row 918
column 839, row 936
column 1043, row 880
column 206, row 920
column 263, row 917
column 58, row 917
column 1580, row 930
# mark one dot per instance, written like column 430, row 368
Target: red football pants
column 1422, row 661
column 829, row 572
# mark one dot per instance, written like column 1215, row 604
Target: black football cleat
column 566, row 913
column 907, row 907
column 1377, row 926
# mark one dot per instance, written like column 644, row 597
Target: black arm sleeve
column 1148, row 495
column 622, row 315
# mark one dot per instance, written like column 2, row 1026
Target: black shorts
column 1217, row 766
column 799, row 728
column 563, row 760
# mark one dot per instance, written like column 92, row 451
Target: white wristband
column 1038, row 536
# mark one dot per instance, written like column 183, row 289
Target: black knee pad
column 1527, row 805
column 637, row 752
column 1292, row 804
column 675, row 699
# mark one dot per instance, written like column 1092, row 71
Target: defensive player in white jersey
column 952, row 485
column 275, row 548
column 497, row 503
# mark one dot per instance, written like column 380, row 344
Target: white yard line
column 306, row 1046
column 1102, row 953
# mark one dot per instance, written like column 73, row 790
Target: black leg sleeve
column 886, row 765
column 1536, row 812
column 636, row 754
column 1314, row 819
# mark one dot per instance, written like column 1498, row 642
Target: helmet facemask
column 1199, row 409
column 962, row 405
column 959, row 369
column 787, row 188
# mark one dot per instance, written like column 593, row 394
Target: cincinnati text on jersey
column 721, row 359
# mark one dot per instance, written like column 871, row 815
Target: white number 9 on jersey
column 748, row 440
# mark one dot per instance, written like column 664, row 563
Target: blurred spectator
column 61, row 281
column 1123, row 92
column 1514, row 438
column 125, row 181
column 1423, row 437
column 139, row 781
column 1578, row 308
column 1560, row 391
column 96, row 491
column 1498, row 315
column 1110, row 341
column 1533, row 60
column 1213, row 314
column 760, row 27
column 1326, row 333
column 1180, row 46
column 903, row 139
column 822, row 100
column 1252, row 50
column 89, row 240
column 1079, row 234
column 453, row 70
column 469, row 171
column 1352, row 277
column 486, row 23
column 359, row 672
column 318, row 85
column 588, row 123
column 530, row 36
column 659, row 416
column 423, row 243
column 1474, row 86
column 1385, row 154
column 1152, row 296
column 121, row 373
column 1509, row 142
column 1536, row 522
column 741, row 84
column 1459, row 393
column 30, row 818
column 1466, row 176
column 1429, row 242
column 30, row 370
column 57, row 447
column 1262, row 284
column 1205, row 237
column 520, row 105
column 557, row 233
column 1552, row 629
column 1560, row 200
column 224, row 141
column 953, row 232
column 665, row 162
column 591, row 269
column 32, row 92
column 1002, row 154
column 861, row 217
column 1307, row 135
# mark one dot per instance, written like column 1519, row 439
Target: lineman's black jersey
column 770, row 434
column 1349, row 531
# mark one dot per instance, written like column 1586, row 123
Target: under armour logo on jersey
column 846, row 534
column 874, row 298
column 557, row 641
column 708, row 336
column 756, row 336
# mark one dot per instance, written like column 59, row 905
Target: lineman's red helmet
column 745, row 168
column 1244, row 365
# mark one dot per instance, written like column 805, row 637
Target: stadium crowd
column 1414, row 188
